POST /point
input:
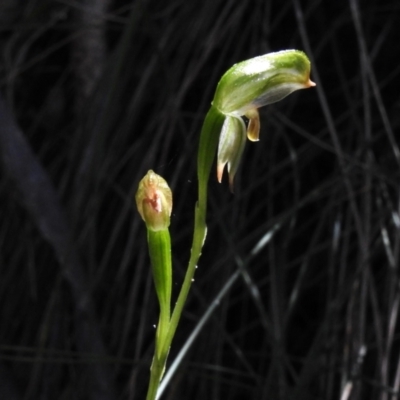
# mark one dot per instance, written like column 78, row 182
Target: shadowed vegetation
column 297, row 293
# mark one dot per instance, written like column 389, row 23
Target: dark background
column 96, row 92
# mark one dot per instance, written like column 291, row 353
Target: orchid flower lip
column 310, row 83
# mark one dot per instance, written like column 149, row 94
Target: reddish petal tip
column 220, row 171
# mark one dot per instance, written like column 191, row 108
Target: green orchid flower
column 247, row 86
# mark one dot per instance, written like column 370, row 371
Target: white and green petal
column 230, row 148
column 261, row 81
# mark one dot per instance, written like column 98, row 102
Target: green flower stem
column 156, row 373
column 207, row 148
column 160, row 255
column 241, row 91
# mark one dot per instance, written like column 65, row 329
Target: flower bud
column 154, row 201
column 262, row 80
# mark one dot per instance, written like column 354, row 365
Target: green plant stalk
column 160, row 255
column 207, row 148
column 156, row 372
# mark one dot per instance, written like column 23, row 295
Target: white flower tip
column 310, row 83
